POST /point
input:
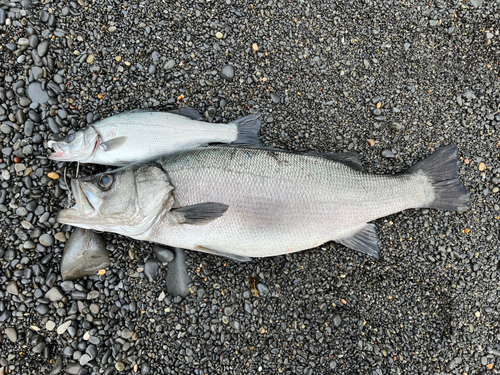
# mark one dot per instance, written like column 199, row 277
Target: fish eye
column 70, row 137
column 105, row 181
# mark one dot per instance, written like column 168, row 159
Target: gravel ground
column 392, row 80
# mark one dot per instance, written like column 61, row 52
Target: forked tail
column 248, row 130
column 442, row 170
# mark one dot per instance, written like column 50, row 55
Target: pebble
column 177, row 277
column 63, row 327
column 126, row 333
column 163, row 254
column 112, row 29
column 275, row 98
column 227, row 72
column 151, row 269
column 12, row 288
column 120, row 366
column 219, row 35
column 387, row 153
column 46, row 239
column 50, row 325
column 169, row 65
column 36, row 93
column 43, row 47
column 337, row 320
column 11, row 334
column 84, row 254
column 54, row 294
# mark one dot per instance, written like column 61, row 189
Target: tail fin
column 248, row 130
column 442, row 170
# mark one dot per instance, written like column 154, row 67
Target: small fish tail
column 248, row 130
column 442, row 170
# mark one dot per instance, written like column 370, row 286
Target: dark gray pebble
column 227, row 72
column 84, row 254
column 177, row 277
column 151, row 269
column 163, row 254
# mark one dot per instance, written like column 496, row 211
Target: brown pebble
column 17, row 159
column 53, row 175
column 371, row 142
column 482, row 167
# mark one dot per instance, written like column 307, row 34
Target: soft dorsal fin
column 364, row 240
column 187, row 112
column 351, row 159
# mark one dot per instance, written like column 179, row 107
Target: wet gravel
column 327, row 76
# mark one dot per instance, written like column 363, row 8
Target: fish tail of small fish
column 248, row 128
column 441, row 168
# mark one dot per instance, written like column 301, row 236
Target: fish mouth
column 85, row 210
column 59, row 150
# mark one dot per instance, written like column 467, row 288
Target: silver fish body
column 245, row 203
column 141, row 135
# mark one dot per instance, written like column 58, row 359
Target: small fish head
column 128, row 200
column 79, row 146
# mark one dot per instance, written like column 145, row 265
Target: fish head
column 79, row 146
column 127, row 200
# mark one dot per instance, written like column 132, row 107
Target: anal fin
column 364, row 240
column 224, row 254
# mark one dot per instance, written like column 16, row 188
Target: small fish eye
column 70, row 137
column 105, row 181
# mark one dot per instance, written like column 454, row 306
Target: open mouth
column 86, row 203
column 58, row 150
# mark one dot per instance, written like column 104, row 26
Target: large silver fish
column 140, row 135
column 243, row 202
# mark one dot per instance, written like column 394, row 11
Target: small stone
column 46, row 239
column 50, row 325
column 177, row 277
column 163, row 254
column 11, row 334
column 169, row 65
column 120, row 366
column 126, row 333
column 90, row 59
column 58, row 364
column 60, row 236
column 43, row 47
column 151, row 269
column 219, row 35
column 337, row 320
column 112, row 29
column 63, row 327
column 387, row 154
column 227, row 72
column 482, row 167
column 53, row 175
column 12, row 288
column 255, row 47
column 73, row 368
column 275, row 98
column 54, row 294
column 371, row 142
column 396, row 126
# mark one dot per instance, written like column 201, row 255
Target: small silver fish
column 140, row 135
column 243, row 202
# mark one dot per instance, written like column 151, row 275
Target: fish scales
column 280, row 202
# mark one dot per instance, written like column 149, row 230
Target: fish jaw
column 82, row 214
column 60, row 149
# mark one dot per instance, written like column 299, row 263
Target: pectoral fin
column 224, row 254
column 113, row 143
column 365, row 240
column 199, row 214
